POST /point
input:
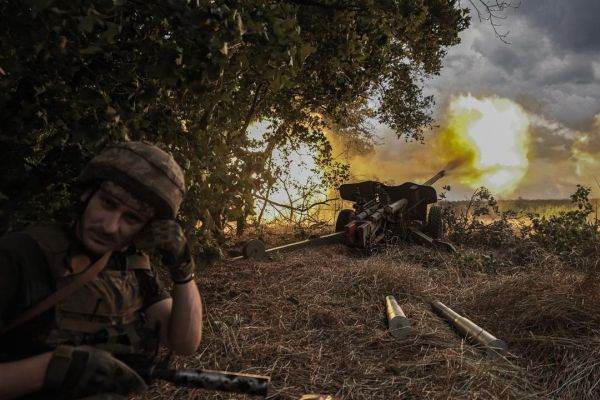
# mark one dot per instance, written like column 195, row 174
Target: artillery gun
column 381, row 215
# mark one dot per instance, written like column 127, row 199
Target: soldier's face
column 108, row 223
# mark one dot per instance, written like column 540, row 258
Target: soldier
column 77, row 299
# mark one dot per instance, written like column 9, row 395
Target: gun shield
column 398, row 324
column 492, row 345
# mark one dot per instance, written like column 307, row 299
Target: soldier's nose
column 111, row 223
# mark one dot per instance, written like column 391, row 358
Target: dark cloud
column 553, row 57
column 576, row 71
column 500, row 55
column 573, row 25
column 552, row 69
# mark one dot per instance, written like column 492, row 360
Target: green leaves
column 38, row 6
column 573, row 232
column 87, row 23
column 195, row 75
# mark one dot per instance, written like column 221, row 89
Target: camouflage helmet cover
column 145, row 170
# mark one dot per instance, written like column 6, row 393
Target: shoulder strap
column 50, row 301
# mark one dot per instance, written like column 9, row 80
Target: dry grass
column 314, row 321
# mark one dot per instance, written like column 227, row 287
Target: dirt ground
column 314, row 320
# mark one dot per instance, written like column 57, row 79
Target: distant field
column 522, row 206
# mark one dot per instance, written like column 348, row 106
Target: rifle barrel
column 215, row 380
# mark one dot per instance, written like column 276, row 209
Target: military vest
column 105, row 312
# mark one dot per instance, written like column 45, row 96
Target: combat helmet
column 148, row 172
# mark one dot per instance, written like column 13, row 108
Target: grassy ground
column 314, row 321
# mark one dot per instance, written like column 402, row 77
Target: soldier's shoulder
column 22, row 248
column 51, row 237
column 28, row 234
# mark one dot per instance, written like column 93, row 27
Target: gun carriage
column 385, row 214
column 381, row 214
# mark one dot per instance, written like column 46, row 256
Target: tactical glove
column 168, row 238
column 75, row 372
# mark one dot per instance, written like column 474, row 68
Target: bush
column 569, row 232
column 470, row 226
column 194, row 76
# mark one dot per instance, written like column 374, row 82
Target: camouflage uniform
column 108, row 312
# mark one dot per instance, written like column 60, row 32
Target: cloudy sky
column 551, row 66
column 551, row 69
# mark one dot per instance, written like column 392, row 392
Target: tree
column 494, row 11
column 194, row 75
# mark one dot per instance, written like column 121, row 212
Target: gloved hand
column 75, row 372
column 168, row 238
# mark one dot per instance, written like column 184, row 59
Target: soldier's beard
column 95, row 240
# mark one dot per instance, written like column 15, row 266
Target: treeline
column 194, row 76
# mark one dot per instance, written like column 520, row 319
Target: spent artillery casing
column 398, row 324
column 492, row 344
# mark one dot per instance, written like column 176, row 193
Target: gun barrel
column 215, row 380
column 435, row 178
column 465, row 326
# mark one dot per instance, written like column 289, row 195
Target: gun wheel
column 343, row 218
column 435, row 224
column 254, row 250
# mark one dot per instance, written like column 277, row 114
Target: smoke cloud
column 486, row 141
